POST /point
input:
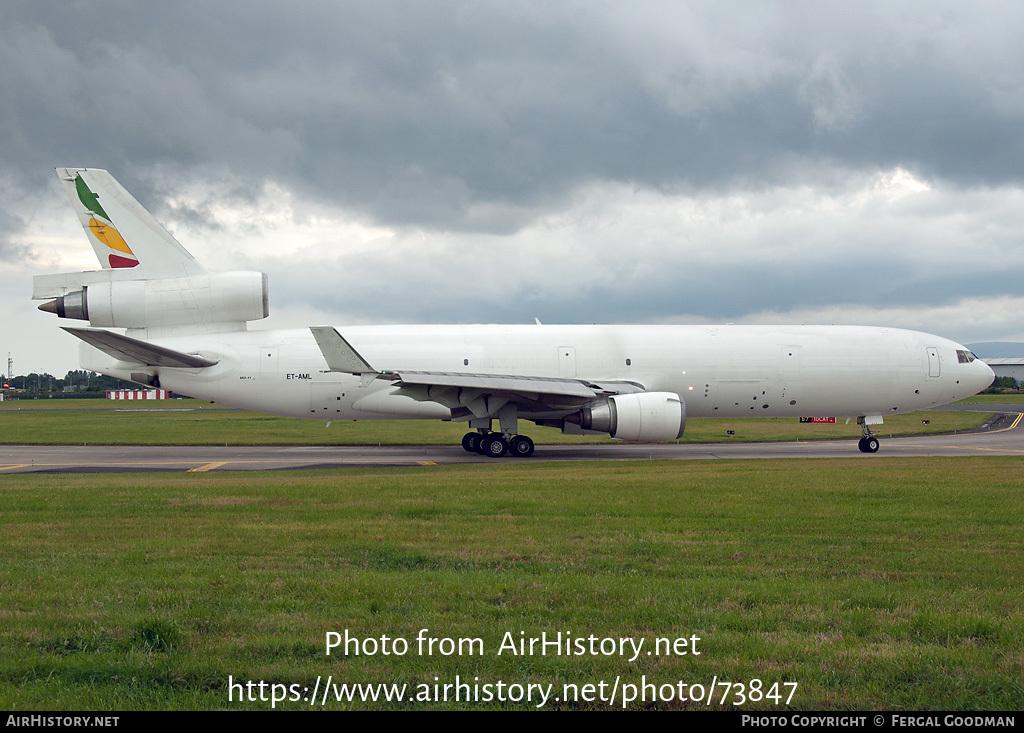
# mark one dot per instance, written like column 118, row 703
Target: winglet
column 338, row 352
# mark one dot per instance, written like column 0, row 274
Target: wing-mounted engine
column 642, row 417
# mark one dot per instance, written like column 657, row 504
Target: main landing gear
column 495, row 445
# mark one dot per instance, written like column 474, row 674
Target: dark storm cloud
column 479, row 116
column 577, row 161
column 10, row 227
column 729, row 291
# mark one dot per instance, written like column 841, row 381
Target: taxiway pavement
column 1004, row 436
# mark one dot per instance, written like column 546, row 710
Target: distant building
column 137, row 394
column 1007, row 367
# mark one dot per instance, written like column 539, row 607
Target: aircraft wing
column 479, row 394
column 132, row 350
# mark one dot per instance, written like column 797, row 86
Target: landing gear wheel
column 521, row 446
column 493, row 446
column 470, row 441
column 868, row 445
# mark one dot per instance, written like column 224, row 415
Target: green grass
column 1006, row 398
column 208, row 425
column 883, row 584
column 24, row 405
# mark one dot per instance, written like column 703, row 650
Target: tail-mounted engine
column 643, row 417
column 208, row 299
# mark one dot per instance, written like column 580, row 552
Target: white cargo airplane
column 187, row 332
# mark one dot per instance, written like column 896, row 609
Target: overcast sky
column 578, row 162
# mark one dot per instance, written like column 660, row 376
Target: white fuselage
column 719, row 371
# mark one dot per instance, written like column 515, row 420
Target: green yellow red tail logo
column 103, row 229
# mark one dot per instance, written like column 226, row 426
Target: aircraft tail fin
column 122, row 233
column 149, row 283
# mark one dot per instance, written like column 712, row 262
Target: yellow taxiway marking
column 1013, row 426
column 207, row 467
column 964, row 447
column 203, row 468
column 1015, row 423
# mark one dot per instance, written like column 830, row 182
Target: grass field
column 32, row 421
column 883, row 584
column 1005, row 398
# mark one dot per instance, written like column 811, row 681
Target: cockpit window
column 964, row 356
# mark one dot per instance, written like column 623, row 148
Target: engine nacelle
column 643, row 417
column 225, row 297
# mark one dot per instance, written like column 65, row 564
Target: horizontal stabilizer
column 338, row 352
column 59, row 285
column 128, row 349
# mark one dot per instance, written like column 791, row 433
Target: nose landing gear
column 868, row 444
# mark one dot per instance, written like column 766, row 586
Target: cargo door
column 566, row 361
column 269, row 362
column 790, row 374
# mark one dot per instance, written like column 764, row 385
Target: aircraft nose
column 985, row 375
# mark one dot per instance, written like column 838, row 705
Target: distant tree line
column 1000, row 384
column 77, row 383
